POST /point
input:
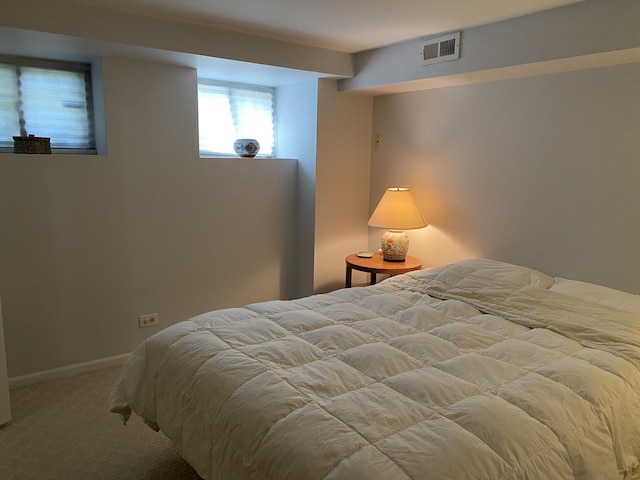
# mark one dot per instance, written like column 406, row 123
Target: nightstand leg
column 373, row 279
column 347, row 280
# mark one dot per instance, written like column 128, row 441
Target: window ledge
column 235, row 157
column 54, row 151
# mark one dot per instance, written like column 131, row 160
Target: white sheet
column 477, row 370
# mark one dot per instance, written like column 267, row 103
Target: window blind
column 228, row 111
column 46, row 99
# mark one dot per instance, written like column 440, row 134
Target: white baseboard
column 68, row 371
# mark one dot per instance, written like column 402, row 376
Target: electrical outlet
column 150, row 320
column 378, row 140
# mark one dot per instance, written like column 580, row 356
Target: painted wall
column 541, row 171
column 297, row 138
column 331, row 138
column 581, row 35
column 89, row 243
column 190, row 43
column 342, row 186
column 5, row 407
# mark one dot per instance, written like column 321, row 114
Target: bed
column 474, row 370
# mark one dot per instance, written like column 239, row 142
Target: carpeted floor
column 62, row 430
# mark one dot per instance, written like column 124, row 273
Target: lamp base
column 394, row 245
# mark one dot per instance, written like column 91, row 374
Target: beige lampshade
column 397, row 210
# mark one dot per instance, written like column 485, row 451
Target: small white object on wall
column 5, row 408
column 441, row 49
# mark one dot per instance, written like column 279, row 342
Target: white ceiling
column 341, row 25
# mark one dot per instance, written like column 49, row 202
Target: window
column 228, row 111
column 46, row 99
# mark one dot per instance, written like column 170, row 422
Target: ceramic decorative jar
column 246, row 147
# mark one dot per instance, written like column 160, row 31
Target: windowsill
column 7, row 154
column 54, row 151
column 235, row 157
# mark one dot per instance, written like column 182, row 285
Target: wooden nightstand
column 377, row 264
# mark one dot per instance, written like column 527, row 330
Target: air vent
column 440, row 49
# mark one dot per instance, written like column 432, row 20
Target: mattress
column 477, row 370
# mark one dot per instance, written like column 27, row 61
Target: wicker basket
column 31, row 144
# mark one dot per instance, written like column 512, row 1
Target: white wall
column 331, row 137
column 93, row 242
column 297, row 138
column 190, row 44
column 342, row 187
column 89, row 243
column 581, row 35
column 523, row 150
column 5, row 406
column 539, row 171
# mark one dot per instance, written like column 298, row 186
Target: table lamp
column 397, row 211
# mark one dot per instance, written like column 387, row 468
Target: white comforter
column 478, row 370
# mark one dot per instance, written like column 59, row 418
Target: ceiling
column 342, row 25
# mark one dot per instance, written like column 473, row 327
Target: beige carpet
column 62, row 430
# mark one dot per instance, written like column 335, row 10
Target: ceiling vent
column 441, row 49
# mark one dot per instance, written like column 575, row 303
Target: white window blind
column 46, row 99
column 228, row 111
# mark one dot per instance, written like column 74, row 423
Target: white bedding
column 477, row 370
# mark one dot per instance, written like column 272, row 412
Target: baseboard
column 68, row 371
